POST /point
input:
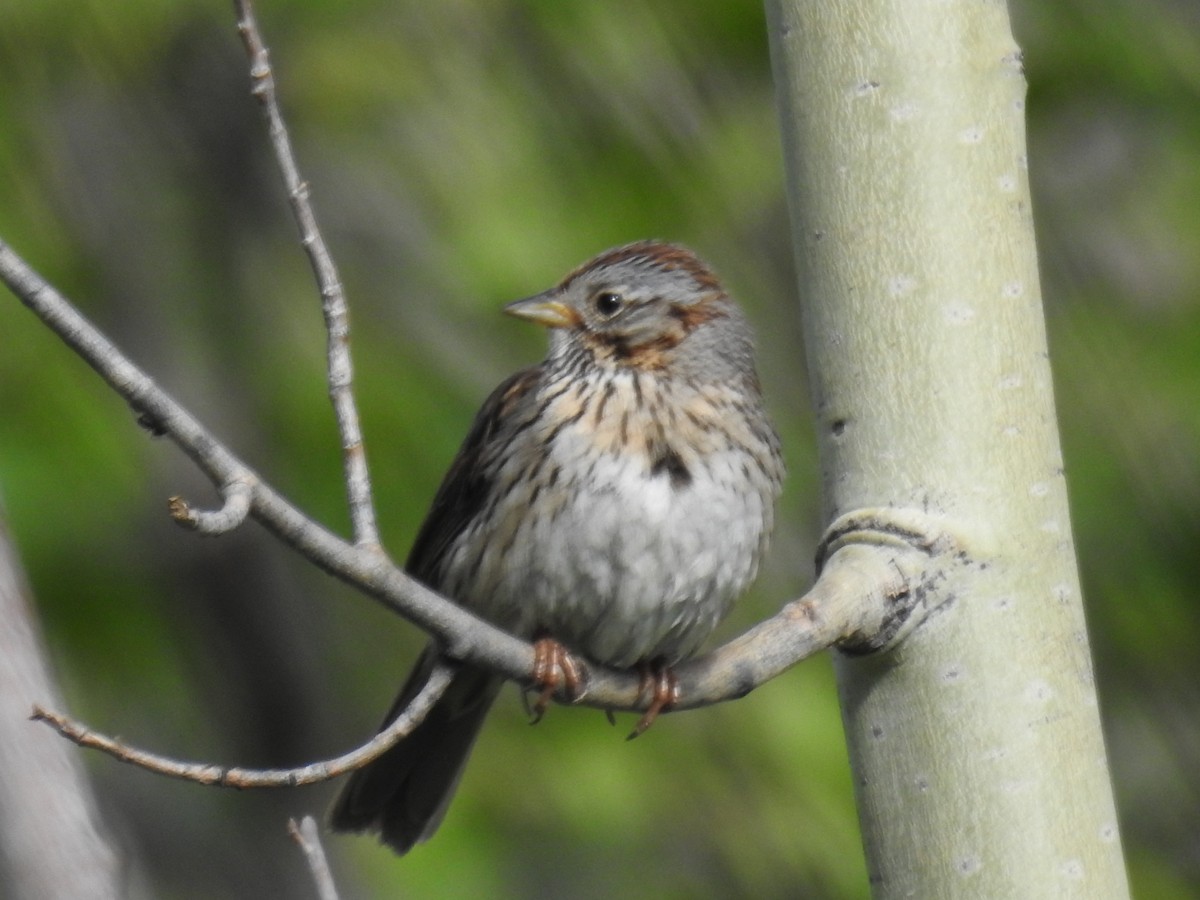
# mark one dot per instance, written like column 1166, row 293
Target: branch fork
column 880, row 570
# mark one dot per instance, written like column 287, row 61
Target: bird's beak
column 543, row 309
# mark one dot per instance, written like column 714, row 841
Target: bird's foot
column 554, row 667
column 659, row 681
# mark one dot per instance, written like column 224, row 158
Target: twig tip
column 178, row 509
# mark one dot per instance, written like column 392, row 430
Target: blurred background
column 463, row 154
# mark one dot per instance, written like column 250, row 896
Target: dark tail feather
column 403, row 795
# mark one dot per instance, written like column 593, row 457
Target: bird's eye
column 607, row 303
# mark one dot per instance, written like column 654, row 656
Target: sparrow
column 613, row 500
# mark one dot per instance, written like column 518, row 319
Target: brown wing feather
column 464, row 490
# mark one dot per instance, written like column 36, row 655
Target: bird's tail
column 403, row 795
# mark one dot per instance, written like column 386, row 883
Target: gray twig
column 333, row 297
column 213, row 522
column 308, row 837
column 221, row 776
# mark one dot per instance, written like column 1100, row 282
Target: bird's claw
column 554, row 667
column 660, row 682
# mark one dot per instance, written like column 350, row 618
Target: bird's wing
column 465, row 488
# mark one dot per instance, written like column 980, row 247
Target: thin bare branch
column 877, row 572
column 308, row 837
column 333, row 298
column 207, row 773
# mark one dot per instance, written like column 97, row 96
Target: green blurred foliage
column 463, row 154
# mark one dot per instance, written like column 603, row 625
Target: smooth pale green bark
column 976, row 745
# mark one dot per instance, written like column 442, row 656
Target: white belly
column 613, row 558
column 629, row 566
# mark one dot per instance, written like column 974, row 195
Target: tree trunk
column 50, row 843
column 979, row 763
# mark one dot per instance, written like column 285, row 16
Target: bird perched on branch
column 612, row 502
